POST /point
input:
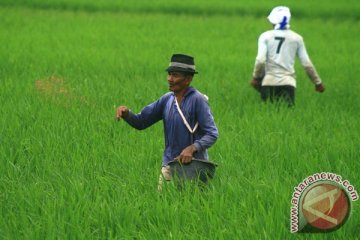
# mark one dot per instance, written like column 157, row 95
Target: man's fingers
column 255, row 84
column 120, row 112
column 320, row 88
column 184, row 159
column 187, row 160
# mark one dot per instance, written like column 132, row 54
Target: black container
column 197, row 169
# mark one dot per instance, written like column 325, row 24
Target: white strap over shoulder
column 184, row 119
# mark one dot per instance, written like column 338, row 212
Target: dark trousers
column 284, row 93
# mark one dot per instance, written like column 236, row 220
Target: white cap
column 280, row 17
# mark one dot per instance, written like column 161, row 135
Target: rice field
column 68, row 170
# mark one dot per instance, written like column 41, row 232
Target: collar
column 189, row 90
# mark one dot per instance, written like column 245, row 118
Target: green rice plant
column 69, row 170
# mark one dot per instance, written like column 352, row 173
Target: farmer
column 274, row 74
column 189, row 126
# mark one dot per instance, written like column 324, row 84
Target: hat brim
column 179, row 69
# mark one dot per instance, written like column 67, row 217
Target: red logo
column 326, row 207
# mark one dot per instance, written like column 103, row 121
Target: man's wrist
column 195, row 147
column 127, row 114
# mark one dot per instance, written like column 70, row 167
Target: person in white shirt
column 274, row 74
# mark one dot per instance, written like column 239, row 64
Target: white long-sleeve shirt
column 277, row 50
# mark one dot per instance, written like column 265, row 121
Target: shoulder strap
column 184, row 119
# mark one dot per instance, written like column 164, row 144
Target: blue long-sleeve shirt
column 177, row 137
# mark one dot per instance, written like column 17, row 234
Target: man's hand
column 121, row 112
column 255, row 84
column 187, row 154
column 319, row 88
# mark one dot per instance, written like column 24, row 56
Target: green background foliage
column 68, row 170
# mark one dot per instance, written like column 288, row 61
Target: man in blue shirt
column 189, row 126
